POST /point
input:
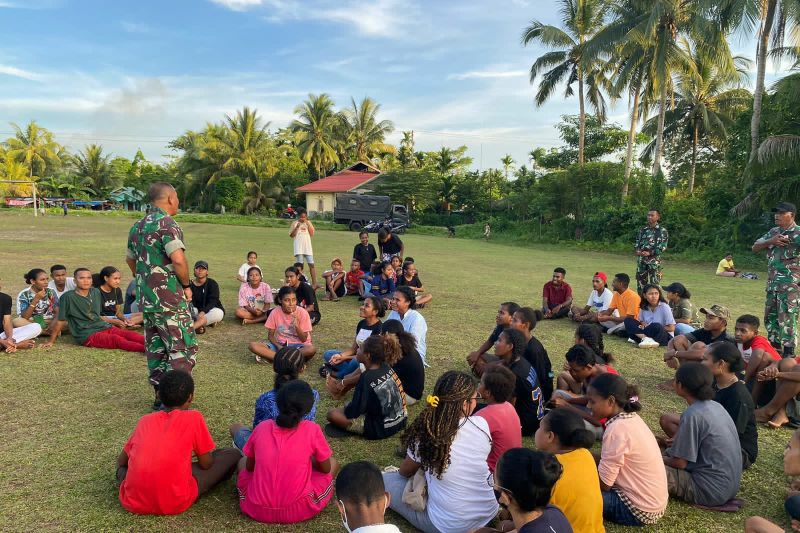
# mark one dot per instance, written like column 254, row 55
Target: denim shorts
column 309, row 258
column 274, row 348
column 241, row 436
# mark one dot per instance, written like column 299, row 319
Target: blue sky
column 131, row 74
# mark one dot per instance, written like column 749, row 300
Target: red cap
column 601, row 275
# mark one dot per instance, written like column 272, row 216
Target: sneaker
column 618, row 327
column 323, row 371
column 647, row 342
column 631, row 341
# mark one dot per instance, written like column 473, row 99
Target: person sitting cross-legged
column 690, row 347
column 288, row 325
column 556, row 295
column 502, row 320
column 37, row 303
column 155, row 469
column 784, row 407
column 206, row 306
column 340, row 363
column 255, row 298
column 11, row 338
column 624, row 304
column 599, row 300
column 655, row 324
column 82, row 310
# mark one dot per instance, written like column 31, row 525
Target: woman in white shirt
column 599, row 300
column 404, row 303
column 451, row 448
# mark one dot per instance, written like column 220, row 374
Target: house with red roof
column 321, row 194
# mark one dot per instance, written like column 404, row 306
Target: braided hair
column 431, row 434
column 592, row 336
column 287, row 365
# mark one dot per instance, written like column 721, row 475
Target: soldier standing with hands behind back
column 650, row 244
column 156, row 257
column 783, row 278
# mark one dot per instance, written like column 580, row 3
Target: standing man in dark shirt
column 365, row 252
column 206, row 309
column 556, row 295
column 390, row 245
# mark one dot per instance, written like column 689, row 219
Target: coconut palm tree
column 507, row 162
column 314, row 131
column 365, row 134
column 704, row 102
column 241, row 144
column 33, row 146
column 580, row 19
column 92, row 165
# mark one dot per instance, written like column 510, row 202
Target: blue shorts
column 241, row 436
column 274, row 348
column 309, row 258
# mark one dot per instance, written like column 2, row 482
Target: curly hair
column 592, row 336
column 431, row 434
column 382, row 349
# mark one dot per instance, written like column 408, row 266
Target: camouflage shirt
column 150, row 243
column 783, row 262
column 653, row 240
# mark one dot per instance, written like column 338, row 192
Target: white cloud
column 488, row 74
column 134, row 27
column 239, row 5
column 8, row 70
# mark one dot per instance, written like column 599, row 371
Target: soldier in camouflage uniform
column 650, row 244
column 156, row 257
column 783, row 278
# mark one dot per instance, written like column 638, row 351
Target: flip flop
column 200, row 330
column 336, row 432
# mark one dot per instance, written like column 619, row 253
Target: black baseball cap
column 201, row 264
column 785, row 207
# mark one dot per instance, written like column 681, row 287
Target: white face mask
column 343, row 513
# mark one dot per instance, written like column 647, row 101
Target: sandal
column 262, row 360
column 200, row 330
column 324, row 372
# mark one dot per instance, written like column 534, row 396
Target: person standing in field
column 650, row 244
column 156, row 258
column 783, row 278
column 302, row 231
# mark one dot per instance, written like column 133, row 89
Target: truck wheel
column 355, row 225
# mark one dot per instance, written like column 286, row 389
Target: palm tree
column 581, row 19
column 314, row 133
column 93, row 166
column 507, row 162
column 33, row 146
column 703, row 103
column 364, row 132
column 405, row 155
column 242, row 143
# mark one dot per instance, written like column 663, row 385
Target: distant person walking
column 64, row 206
column 302, row 231
column 156, row 257
column 487, row 232
column 783, row 278
column 650, row 244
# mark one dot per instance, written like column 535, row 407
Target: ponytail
column 32, row 274
column 568, row 426
column 625, row 395
column 295, row 400
column 592, row 336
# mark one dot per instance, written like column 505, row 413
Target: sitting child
column 352, row 280
column 505, row 314
column 592, row 336
column 524, row 321
column 409, row 277
column 288, row 325
column 757, row 353
column 378, row 408
column 286, row 474
column 288, row 365
column 340, row 363
column 255, row 298
column 252, row 257
column 383, row 286
column 633, row 480
column 362, row 499
column 397, row 265
column 334, row 280
column 529, row 404
column 704, row 462
column 155, row 469
column 791, row 467
column 577, row 492
column 497, row 388
column 302, row 277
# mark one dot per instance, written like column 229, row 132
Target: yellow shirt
column 577, row 492
column 723, row 265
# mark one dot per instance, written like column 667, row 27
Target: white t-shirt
column 302, row 240
column 69, row 285
column 600, row 303
column 245, row 267
column 463, row 499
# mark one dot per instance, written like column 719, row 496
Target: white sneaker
column 647, row 342
column 631, row 341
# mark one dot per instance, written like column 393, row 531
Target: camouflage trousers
column 648, row 273
column 170, row 343
column 781, row 312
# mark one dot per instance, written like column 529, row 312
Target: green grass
column 67, row 412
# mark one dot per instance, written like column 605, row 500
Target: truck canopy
column 363, row 202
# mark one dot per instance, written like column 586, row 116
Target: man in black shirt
column 305, row 294
column 365, row 252
column 690, row 347
column 390, row 244
column 206, row 307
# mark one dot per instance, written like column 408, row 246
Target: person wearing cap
column 725, row 267
column 206, row 307
column 690, row 347
column 782, row 305
column 650, row 244
column 599, row 300
column 684, row 313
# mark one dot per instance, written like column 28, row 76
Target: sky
column 136, row 74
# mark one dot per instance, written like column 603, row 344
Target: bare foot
column 762, row 417
column 24, row 345
column 779, row 419
column 245, row 321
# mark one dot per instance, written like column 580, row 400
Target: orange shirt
column 626, row 303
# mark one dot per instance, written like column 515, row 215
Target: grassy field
column 65, row 413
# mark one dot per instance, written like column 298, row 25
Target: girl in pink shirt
column 286, row 474
column 497, row 388
column 632, row 476
column 255, row 297
column 287, row 325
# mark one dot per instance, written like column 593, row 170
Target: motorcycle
column 374, row 226
column 289, row 213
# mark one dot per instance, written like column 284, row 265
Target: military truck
column 357, row 210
